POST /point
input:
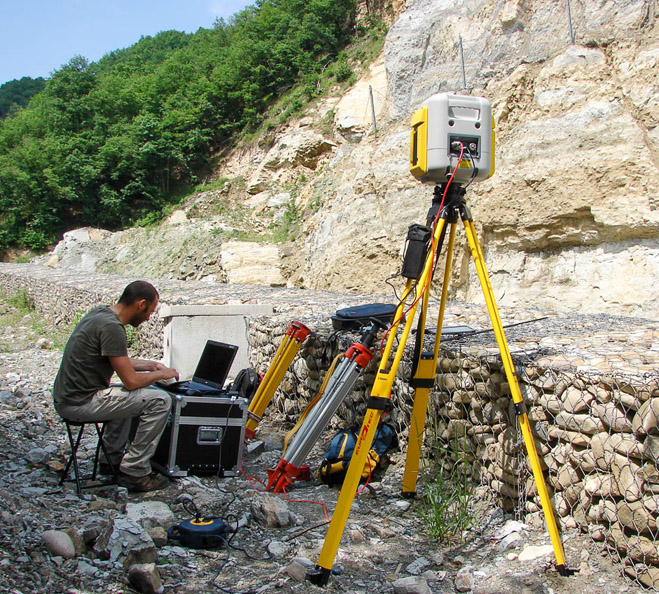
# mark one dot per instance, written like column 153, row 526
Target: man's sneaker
column 150, row 482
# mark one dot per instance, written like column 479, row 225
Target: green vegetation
column 339, row 71
column 114, row 142
column 17, row 309
column 216, row 184
column 285, row 227
column 316, row 204
column 132, row 337
column 24, row 258
column 16, row 94
column 22, row 302
column 288, row 227
column 447, row 502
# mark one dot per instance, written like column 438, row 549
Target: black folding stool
column 88, row 481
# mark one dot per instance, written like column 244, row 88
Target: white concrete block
column 188, row 327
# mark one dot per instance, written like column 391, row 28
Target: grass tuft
column 447, row 503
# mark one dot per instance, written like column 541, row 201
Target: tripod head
column 449, row 199
column 370, row 332
column 448, row 202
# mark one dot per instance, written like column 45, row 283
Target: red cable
column 307, row 501
column 433, row 248
column 425, row 287
column 439, row 212
column 253, row 478
column 264, row 490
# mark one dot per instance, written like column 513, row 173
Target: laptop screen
column 215, row 363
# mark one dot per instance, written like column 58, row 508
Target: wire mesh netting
column 591, row 389
column 596, row 433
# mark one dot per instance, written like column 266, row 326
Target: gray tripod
column 327, row 402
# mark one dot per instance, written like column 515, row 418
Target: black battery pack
column 416, row 251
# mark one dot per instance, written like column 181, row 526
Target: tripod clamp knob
column 370, row 331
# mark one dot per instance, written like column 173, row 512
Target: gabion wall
column 597, row 435
column 61, row 303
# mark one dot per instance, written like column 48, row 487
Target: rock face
column 80, row 248
column 252, row 263
column 569, row 221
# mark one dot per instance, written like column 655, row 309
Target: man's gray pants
column 149, row 406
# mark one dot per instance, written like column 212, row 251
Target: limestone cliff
column 568, row 222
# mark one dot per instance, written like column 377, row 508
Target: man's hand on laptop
column 170, row 375
column 139, row 373
column 168, row 381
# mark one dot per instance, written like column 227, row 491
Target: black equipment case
column 204, row 434
column 358, row 316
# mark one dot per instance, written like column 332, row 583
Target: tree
column 105, row 142
column 17, row 93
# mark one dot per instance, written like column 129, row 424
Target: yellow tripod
column 448, row 205
column 295, row 335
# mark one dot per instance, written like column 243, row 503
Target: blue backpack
column 337, row 458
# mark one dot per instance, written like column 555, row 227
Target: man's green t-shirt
column 85, row 367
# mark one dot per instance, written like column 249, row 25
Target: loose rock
column 411, row 585
column 145, row 578
column 59, row 544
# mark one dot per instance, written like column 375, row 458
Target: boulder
column 271, row 511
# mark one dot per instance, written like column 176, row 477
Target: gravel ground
column 384, row 549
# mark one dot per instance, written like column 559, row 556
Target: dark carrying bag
column 358, row 316
column 335, row 464
column 246, row 383
column 337, row 458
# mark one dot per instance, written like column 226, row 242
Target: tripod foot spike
column 565, row 571
column 283, row 475
column 319, row 576
column 408, row 494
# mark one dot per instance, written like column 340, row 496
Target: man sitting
column 95, row 350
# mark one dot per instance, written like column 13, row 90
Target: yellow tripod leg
column 268, row 385
column 493, row 312
column 320, row 576
column 424, row 380
column 290, row 345
column 380, row 396
column 377, row 404
column 417, row 429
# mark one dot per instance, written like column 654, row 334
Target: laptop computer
column 211, row 372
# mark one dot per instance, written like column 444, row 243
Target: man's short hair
column 138, row 290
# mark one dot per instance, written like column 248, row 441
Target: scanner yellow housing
column 443, row 124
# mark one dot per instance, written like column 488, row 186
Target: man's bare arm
column 146, row 365
column 133, row 379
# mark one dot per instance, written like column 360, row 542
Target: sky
column 39, row 36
